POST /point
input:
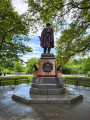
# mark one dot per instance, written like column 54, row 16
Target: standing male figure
column 47, row 38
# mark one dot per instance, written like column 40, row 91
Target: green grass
column 15, row 80
column 80, row 81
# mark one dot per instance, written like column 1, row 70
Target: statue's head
column 47, row 24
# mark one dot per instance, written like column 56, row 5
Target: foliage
column 80, row 81
column 6, row 71
column 9, row 64
column 18, row 67
column 66, row 70
column 8, row 67
column 14, row 29
column 70, row 67
column 77, row 66
column 11, row 80
column 72, row 17
column 86, row 66
column 14, row 77
column 68, row 47
column 29, row 67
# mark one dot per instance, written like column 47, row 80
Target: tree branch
column 83, row 30
column 83, row 22
column 75, row 6
column 84, row 48
column 66, row 12
column 3, row 39
column 10, row 30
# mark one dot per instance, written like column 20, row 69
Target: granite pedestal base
column 69, row 97
column 46, row 83
column 47, row 86
column 39, row 91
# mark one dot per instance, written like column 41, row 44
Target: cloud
column 33, row 45
column 36, row 47
column 20, row 6
column 37, row 52
column 26, row 57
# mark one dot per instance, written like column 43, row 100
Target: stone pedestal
column 47, row 66
column 47, row 86
column 47, row 81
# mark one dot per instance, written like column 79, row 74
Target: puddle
column 24, row 93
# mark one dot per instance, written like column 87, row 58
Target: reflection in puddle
column 24, row 93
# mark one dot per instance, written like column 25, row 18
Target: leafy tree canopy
column 77, row 66
column 86, row 66
column 18, row 67
column 29, row 67
column 75, row 36
column 14, row 30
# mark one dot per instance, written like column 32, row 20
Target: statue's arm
column 39, row 38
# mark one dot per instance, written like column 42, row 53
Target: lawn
column 13, row 80
column 80, row 81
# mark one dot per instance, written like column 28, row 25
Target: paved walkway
column 11, row 110
column 78, row 75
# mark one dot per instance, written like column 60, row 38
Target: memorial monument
column 46, row 80
column 46, row 86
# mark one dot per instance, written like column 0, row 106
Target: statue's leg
column 49, row 50
column 45, row 50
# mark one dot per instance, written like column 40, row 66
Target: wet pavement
column 11, row 110
column 69, row 96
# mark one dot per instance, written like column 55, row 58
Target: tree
column 29, row 67
column 10, row 64
column 14, row 30
column 72, row 66
column 75, row 37
column 77, row 66
column 18, row 67
column 85, row 65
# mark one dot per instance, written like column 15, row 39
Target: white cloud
column 37, row 52
column 20, row 6
column 26, row 57
column 33, row 45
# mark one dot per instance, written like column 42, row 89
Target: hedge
column 80, row 81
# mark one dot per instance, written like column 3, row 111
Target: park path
column 78, row 75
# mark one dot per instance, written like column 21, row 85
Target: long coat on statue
column 47, row 38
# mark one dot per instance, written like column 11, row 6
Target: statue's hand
column 39, row 37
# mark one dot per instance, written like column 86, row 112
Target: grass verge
column 80, row 81
column 13, row 80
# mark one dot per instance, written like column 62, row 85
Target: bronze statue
column 47, row 38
